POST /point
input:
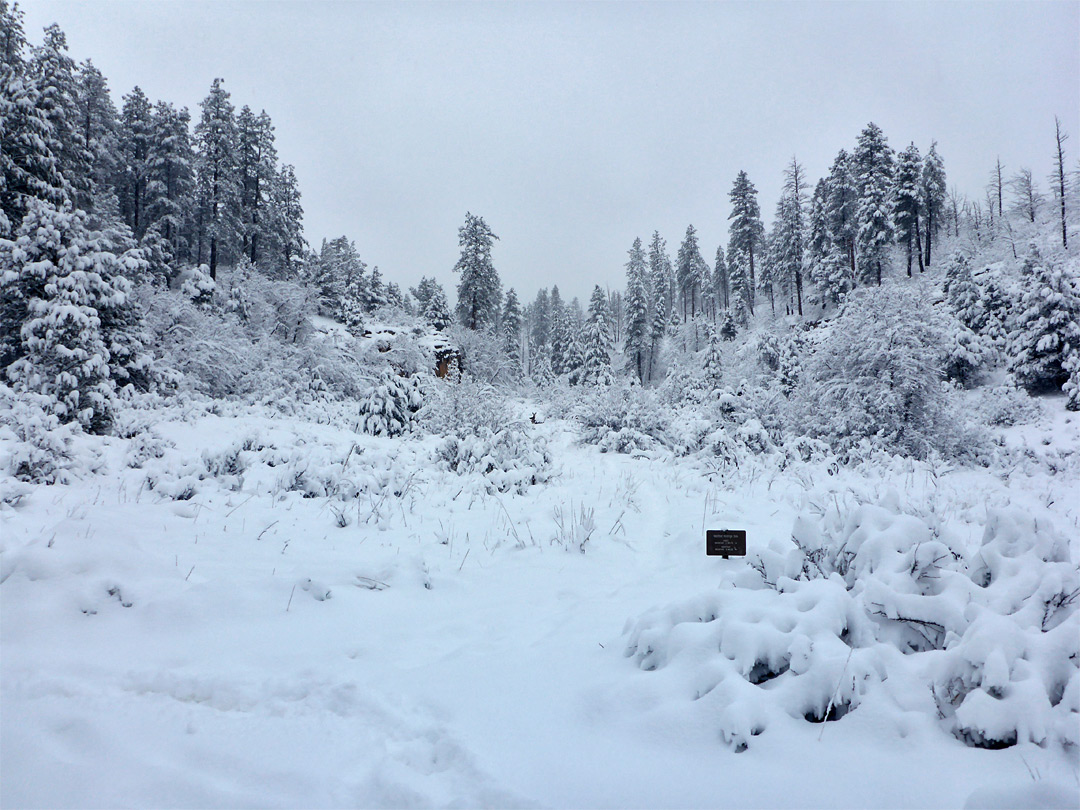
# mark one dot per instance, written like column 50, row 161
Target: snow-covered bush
column 1004, row 406
column 623, row 418
column 40, row 448
column 876, row 606
column 877, row 375
column 509, row 459
column 389, row 407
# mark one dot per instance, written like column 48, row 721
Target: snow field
column 298, row 615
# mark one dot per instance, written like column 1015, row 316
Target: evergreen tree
column 558, row 335
column 437, row 311
column 688, row 272
column 136, row 136
column 747, row 231
column 794, row 230
column 54, row 72
column 874, row 166
column 390, row 405
column 287, row 215
column 170, row 178
column 574, row 361
column 597, row 340
column 741, row 291
column 540, row 316
column 657, row 329
column 479, row 291
column 330, row 273
column 656, row 283
column 827, row 268
column 218, row 186
column 29, row 158
column 721, row 282
column 353, row 307
column 932, row 193
column 99, row 125
column 423, row 291
column 907, row 208
column 257, row 157
column 637, row 311
column 375, row 291
column 67, row 327
column 1047, row 326
column 511, row 331
column 712, row 370
column 841, row 209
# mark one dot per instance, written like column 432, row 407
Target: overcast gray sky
column 572, row 128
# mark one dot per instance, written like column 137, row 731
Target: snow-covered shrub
column 389, row 407
column 144, row 446
column 465, row 407
column 40, row 449
column 882, row 607
column 623, row 419
column 877, row 375
column 1004, row 406
column 510, row 459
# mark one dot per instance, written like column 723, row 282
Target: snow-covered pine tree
column 932, row 194
column 511, row 332
column 170, row 178
column 574, row 362
column 136, row 137
column 721, row 280
column 795, row 229
column 98, row 124
column 597, row 340
column 390, row 405
column 688, row 272
column 218, row 180
column 637, row 312
column 29, row 166
column 1047, row 326
column 746, row 230
column 287, row 215
column 257, row 164
column 479, row 291
column 563, row 335
column 541, row 366
column 68, row 330
column 353, row 305
column 54, row 72
column 728, row 329
column 874, row 168
column 741, row 293
column 437, row 311
column 907, row 205
column 1071, row 366
column 375, row 291
column 841, row 209
column 713, row 368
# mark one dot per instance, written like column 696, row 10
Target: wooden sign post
column 725, row 543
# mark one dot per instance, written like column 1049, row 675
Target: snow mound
column 880, row 607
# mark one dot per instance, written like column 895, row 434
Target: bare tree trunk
column 918, row 248
column 1061, row 137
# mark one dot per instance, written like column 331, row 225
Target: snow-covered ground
column 185, row 628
